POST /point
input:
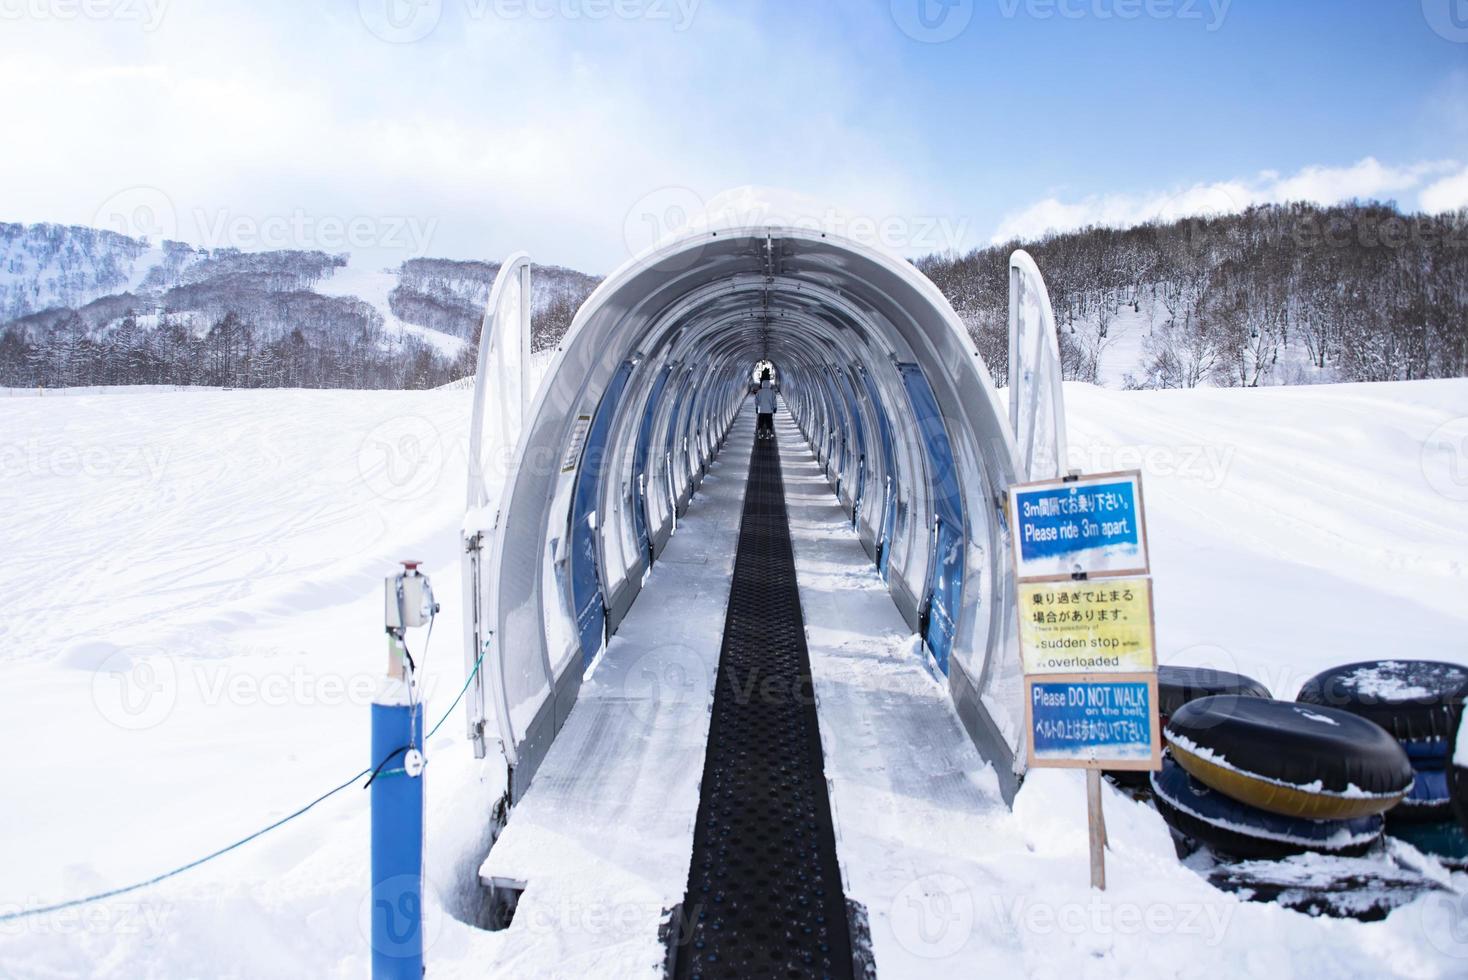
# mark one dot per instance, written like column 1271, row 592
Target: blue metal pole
column 397, row 846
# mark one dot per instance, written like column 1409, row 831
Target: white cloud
column 1448, row 194
column 504, row 133
column 501, row 134
column 1367, row 179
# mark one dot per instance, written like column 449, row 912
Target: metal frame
column 499, row 339
column 835, row 316
column 1035, row 373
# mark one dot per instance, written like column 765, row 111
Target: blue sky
column 574, row 128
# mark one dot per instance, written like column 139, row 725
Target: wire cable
column 373, row 772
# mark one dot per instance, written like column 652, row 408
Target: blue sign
column 1075, row 720
column 1091, row 525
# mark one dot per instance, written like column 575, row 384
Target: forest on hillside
column 1276, row 294
column 449, row 296
column 1279, row 294
column 230, row 318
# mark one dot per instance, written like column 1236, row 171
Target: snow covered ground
column 192, row 634
column 1124, row 353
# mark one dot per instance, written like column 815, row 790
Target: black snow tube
column 1412, row 699
column 1445, row 840
column 1235, row 829
column 1176, row 686
column 1427, row 802
column 1427, row 753
column 1292, row 759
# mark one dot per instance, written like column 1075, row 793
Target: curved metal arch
column 829, row 337
column 891, row 312
column 837, row 407
column 495, row 339
column 499, row 340
column 1035, row 373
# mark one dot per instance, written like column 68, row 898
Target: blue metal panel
column 586, row 589
column 639, row 461
column 945, row 571
column 889, row 468
column 859, row 431
column 675, row 428
column 836, row 419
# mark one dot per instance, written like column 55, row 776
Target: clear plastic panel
column 505, row 375
column 507, row 365
column 1036, row 400
column 518, row 680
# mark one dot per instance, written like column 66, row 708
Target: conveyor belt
column 764, row 890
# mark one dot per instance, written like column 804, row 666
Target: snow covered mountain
column 1282, row 294
column 1277, row 294
column 86, row 306
column 45, row 266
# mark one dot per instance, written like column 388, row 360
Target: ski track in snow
column 372, row 286
column 193, row 632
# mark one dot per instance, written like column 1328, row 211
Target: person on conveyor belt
column 764, row 405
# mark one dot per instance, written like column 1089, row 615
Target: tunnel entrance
column 884, row 385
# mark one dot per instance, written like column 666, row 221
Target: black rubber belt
column 764, row 890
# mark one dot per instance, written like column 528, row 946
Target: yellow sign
column 1088, row 627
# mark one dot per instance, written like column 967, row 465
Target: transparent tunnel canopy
column 1036, row 406
column 882, row 379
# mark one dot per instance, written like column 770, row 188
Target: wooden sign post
column 1096, row 823
column 1087, row 632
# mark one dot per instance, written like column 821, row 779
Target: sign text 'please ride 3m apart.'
column 1088, row 526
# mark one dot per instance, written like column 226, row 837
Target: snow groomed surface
column 247, row 566
column 764, row 889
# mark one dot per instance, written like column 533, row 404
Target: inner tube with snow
column 1292, row 759
column 1236, row 829
column 1426, row 802
column 1412, row 699
column 1427, row 753
column 1445, row 840
column 1176, row 686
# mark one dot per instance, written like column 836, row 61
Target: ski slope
column 193, row 634
column 373, row 286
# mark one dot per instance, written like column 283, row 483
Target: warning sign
column 1089, row 627
column 1086, row 636
column 1087, row 526
column 1090, row 722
